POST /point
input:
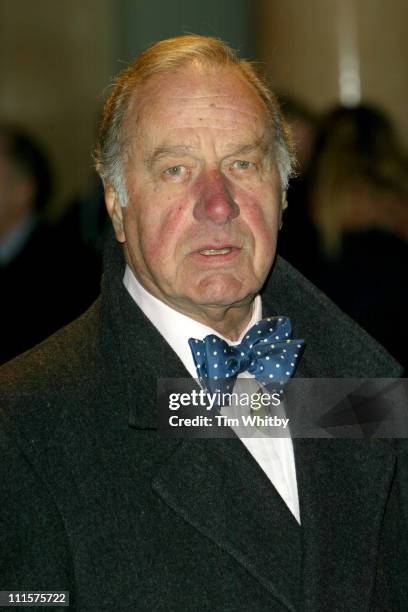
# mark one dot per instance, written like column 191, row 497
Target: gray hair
column 165, row 56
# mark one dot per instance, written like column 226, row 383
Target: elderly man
column 195, row 160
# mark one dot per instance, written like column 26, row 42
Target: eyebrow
column 261, row 144
column 167, row 151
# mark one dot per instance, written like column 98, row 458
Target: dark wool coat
column 93, row 500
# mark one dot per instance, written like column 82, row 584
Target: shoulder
column 57, row 356
column 336, row 346
column 57, row 378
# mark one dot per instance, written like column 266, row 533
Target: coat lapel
column 217, row 487
column 343, row 488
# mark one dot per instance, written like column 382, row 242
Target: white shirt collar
column 175, row 327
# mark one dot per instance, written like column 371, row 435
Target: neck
column 229, row 321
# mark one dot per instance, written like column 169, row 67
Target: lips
column 215, row 253
column 212, row 252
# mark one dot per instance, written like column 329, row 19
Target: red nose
column 215, row 202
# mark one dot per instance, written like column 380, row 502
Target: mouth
column 211, row 254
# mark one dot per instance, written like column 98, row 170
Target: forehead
column 196, row 98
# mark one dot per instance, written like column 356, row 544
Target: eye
column 175, row 172
column 242, row 165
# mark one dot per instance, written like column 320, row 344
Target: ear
column 284, row 205
column 115, row 212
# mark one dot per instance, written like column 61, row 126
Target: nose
column 215, row 202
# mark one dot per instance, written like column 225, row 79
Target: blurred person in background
column 85, row 218
column 359, row 205
column 303, row 123
column 45, row 280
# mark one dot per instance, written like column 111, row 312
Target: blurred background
column 339, row 68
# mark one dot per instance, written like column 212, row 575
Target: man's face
column 203, row 210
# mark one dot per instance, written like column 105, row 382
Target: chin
column 222, row 291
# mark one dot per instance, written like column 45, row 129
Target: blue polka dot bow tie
column 267, row 351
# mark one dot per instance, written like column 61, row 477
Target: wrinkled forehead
column 198, row 88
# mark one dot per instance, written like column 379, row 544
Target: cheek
column 161, row 232
column 260, row 211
